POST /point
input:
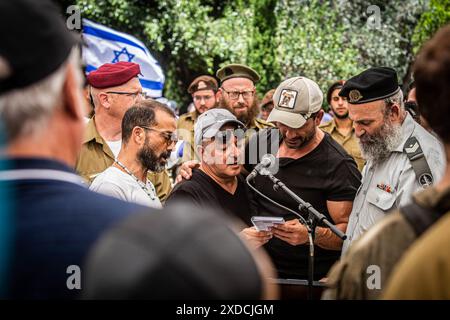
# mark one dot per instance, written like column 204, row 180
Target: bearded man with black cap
column 114, row 88
column 54, row 218
column 402, row 157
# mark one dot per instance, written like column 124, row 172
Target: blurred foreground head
column 40, row 79
column 432, row 77
column 177, row 253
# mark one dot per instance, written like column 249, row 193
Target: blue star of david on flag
column 104, row 44
column 124, row 51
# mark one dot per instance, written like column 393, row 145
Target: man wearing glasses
column 114, row 88
column 237, row 93
column 217, row 182
column 203, row 91
column 148, row 138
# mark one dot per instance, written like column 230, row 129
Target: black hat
column 34, row 42
column 169, row 254
column 372, row 84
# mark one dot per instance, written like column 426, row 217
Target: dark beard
column 344, row 116
column 148, row 158
column 246, row 118
column 304, row 141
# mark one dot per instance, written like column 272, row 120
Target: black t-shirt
column 326, row 173
column 203, row 191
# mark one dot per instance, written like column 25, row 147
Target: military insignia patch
column 354, row 95
column 426, row 180
column 287, row 99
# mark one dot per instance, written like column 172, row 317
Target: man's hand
column 185, row 171
column 256, row 238
column 292, row 232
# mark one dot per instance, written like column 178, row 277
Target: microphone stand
column 314, row 218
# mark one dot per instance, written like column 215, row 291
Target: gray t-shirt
column 118, row 184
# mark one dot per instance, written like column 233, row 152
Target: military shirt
column 96, row 156
column 382, row 246
column 390, row 184
column 349, row 142
column 185, row 131
column 424, row 271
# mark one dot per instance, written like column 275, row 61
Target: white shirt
column 118, row 184
column 115, row 147
column 395, row 175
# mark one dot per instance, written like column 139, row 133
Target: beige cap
column 294, row 101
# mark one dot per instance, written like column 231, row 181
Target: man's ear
column 199, row 150
column 138, row 135
column 318, row 118
column 74, row 104
column 218, row 95
column 103, row 99
column 395, row 113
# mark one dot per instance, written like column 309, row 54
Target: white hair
column 395, row 99
column 26, row 111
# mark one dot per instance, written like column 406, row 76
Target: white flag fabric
column 105, row 45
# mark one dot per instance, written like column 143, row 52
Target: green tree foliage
column 324, row 40
column 436, row 15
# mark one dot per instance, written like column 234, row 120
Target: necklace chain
column 139, row 182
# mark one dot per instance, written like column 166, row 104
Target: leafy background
column 323, row 40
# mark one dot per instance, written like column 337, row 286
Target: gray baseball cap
column 210, row 122
column 294, row 101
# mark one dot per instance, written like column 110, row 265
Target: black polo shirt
column 326, row 173
column 203, row 191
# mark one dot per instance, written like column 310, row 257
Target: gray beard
column 379, row 146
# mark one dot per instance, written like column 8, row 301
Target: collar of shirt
column 24, row 167
column 192, row 116
column 91, row 134
column 333, row 127
column 407, row 129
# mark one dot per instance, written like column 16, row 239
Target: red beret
column 113, row 74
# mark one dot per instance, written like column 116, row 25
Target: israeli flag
column 105, row 45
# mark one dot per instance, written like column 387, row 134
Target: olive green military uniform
column 259, row 124
column 185, row 127
column 424, row 271
column 379, row 249
column 96, row 156
column 349, row 142
column 186, row 123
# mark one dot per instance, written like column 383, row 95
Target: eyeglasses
column 131, row 94
column 234, row 95
column 168, row 136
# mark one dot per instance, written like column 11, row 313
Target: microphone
column 267, row 161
